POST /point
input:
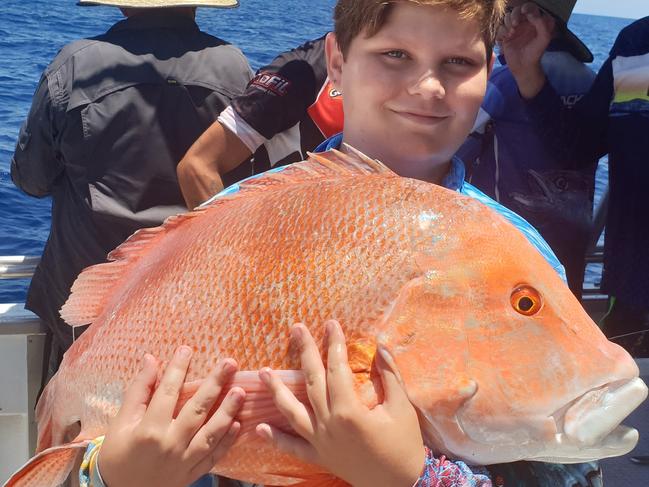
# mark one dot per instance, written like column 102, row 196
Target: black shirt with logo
column 292, row 98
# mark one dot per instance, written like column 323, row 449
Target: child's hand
column 144, row 445
column 524, row 36
column 378, row 447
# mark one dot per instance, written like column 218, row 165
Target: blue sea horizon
column 33, row 32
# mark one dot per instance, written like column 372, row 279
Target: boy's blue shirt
column 454, row 180
column 523, row 473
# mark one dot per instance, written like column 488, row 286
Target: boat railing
column 22, row 343
column 17, row 266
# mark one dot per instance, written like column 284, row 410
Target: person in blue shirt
column 613, row 118
column 507, row 158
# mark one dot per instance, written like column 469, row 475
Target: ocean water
column 32, row 32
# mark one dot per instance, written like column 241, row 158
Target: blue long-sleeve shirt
column 508, row 160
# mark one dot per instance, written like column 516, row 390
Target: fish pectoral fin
column 443, row 415
column 463, row 390
column 50, row 467
column 259, row 406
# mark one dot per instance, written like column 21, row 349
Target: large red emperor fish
column 494, row 351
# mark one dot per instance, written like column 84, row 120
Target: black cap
column 561, row 10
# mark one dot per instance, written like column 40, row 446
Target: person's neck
column 431, row 170
column 189, row 12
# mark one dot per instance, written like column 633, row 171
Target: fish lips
column 594, row 418
column 586, row 429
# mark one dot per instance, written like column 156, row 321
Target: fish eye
column 561, row 183
column 526, row 300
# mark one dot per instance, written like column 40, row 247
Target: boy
column 412, row 75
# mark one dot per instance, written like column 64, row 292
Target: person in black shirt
column 289, row 108
column 110, row 120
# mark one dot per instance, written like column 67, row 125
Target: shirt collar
column 454, row 179
column 155, row 21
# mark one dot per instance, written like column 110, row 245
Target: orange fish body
column 493, row 349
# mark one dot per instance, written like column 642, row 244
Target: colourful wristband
column 89, row 475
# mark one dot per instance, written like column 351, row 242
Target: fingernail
column 385, row 356
column 236, row 395
column 264, row 375
column 297, row 333
column 234, row 429
column 184, row 352
column 263, row 430
column 330, row 328
column 227, row 367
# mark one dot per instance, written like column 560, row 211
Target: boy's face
column 412, row 91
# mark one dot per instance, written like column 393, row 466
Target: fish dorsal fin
column 323, row 165
column 335, row 162
column 96, row 285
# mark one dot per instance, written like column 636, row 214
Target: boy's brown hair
column 351, row 17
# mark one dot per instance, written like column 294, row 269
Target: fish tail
column 50, row 467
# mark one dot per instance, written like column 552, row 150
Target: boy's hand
column 524, row 36
column 378, row 447
column 145, row 445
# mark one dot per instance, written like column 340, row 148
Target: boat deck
column 620, row 471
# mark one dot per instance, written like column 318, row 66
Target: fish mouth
column 540, row 196
column 589, row 427
column 585, row 429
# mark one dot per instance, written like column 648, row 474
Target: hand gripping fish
column 496, row 354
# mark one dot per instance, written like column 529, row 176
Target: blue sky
column 630, row 9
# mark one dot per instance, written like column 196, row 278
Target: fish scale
column 426, row 272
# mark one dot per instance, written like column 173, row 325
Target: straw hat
column 562, row 9
column 162, row 3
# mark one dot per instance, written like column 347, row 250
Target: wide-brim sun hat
column 561, row 10
column 162, row 3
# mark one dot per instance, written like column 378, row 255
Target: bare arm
column 215, row 153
